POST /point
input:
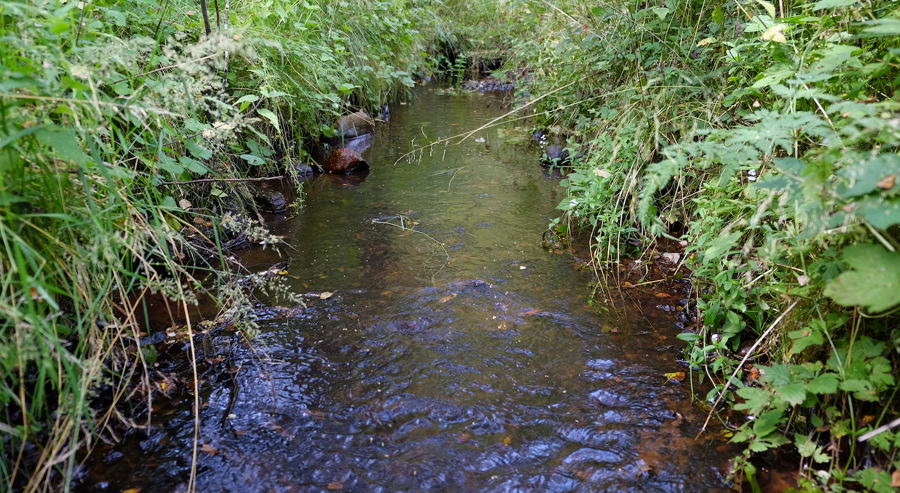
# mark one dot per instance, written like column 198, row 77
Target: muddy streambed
column 448, row 352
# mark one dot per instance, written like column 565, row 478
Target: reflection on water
column 454, row 355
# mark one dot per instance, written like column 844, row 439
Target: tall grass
column 122, row 123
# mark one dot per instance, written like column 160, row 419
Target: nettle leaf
column 767, row 422
column 826, row 383
column 880, row 212
column 755, row 399
column 865, row 176
column 861, row 389
column 873, row 281
column 792, row 393
column 776, row 375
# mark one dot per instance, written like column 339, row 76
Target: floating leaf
column 324, row 295
column 207, row 448
column 872, row 282
column 677, row 376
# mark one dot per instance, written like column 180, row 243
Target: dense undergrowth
column 129, row 136
column 765, row 136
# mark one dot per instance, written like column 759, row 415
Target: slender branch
column 207, row 180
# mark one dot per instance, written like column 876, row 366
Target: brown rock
column 343, row 161
column 354, row 125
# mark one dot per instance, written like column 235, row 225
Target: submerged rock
column 354, row 125
column 268, row 199
column 555, row 154
column 345, row 160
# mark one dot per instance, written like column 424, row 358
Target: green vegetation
column 677, row 108
column 129, row 132
column 764, row 135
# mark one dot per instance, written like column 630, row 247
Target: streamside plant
column 764, row 137
column 130, row 137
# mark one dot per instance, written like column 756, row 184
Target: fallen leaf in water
column 677, row 376
column 507, row 440
column 663, row 295
column 240, row 432
column 335, row 485
column 887, row 182
column 448, row 298
column 207, row 448
column 463, row 438
column 131, row 490
column 324, row 295
column 530, row 312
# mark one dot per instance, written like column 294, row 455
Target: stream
column 446, row 350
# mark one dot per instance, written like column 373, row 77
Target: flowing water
column 453, row 353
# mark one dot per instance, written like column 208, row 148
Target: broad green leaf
column 661, row 12
column 253, row 160
column 865, row 176
column 805, row 445
column 861, row 389
column 64, row 144
column 882, row 27
column 755, row 399
column 767, row 422
column 872, row 282
column 193, row 165
column 826, row 383
column 831, row 4
column 776, row 375
column 792, row 393
column 269, row 116
column 879, row 211
column 245, row 101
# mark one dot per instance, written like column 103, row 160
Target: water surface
column 453, row 353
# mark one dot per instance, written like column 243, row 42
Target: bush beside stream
column 765, row 136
